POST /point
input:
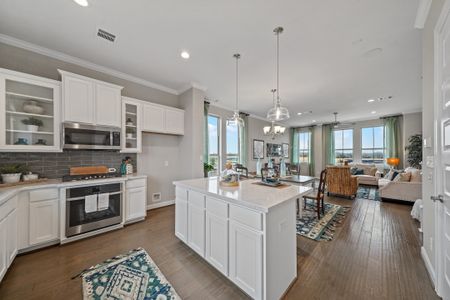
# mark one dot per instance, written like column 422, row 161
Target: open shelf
column 131, row 113
column 28, row 97
column 27, row 131
column 132, row 139
column 18, row 113
column 131, row 126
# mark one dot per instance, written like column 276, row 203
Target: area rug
column 368, row 192
column 132, row 276
column 320, row 230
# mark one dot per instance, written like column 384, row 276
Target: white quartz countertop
column 247, row 194
column 7, row 192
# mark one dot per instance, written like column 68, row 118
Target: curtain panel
column 243, row 141
column 328, row 142
column 311, row 152
column 294, row 146
column 393, row 138
column 205, row 133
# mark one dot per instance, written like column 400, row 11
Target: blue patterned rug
column 320, row 230
column 368, row 192
column 129, row 276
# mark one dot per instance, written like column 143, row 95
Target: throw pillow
column 416, row 176
column 402, row 177
column 359, row 172
column 373, row 171
column 394, row 175
column 353, row 170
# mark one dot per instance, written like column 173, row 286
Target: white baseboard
column 428, row 265
column 160, row 204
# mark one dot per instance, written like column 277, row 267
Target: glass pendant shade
column 235, row 120
column 278, row 113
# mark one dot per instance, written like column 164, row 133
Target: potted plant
column 33, row 124
column 415, row 151
column 12, row 173
column 207, row 168
column 129, row 132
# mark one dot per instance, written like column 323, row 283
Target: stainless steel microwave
column 86, row 136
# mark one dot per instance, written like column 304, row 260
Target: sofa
column 341, row 182
column 370, row 176
column 408, row 191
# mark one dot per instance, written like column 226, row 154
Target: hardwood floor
column 375, row 255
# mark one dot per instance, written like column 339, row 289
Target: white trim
column 428, row 265
column 160, row 204
column 81, row 62
column 422, row 13
column 191, row 85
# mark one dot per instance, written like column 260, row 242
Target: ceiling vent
column 106, row 35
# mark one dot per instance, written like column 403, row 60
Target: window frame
column 307, row 150
column 373, row 149
column 238, row 144
column 219, row 142
column 344, row 149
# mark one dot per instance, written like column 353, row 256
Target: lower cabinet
column 217, row 242
column 3, row 251
column 44, row 221
column 8, row 234
column 196, row 228
column 11, row 241
column 181, row 219
column 135, row 204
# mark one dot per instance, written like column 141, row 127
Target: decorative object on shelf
column 30, row 176
column 207, row 168
column 274, row 130
column 21, row 141
column 130, row 133
column 129, row 122
column 123, row 167
column 258, row 149
column 236, row 120
column 269, row 176
column 278, row 112
column 258, row 167
column 270, row 163
column 41, row 142
column 12, row 173
column 33, row 124
column 229, row 177
column 32, row 107
column 285, row 148
column 282, row 167
column 415, row 151
column 129, row 165
column 393, row 161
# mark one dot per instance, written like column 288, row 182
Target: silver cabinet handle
column 439, row 198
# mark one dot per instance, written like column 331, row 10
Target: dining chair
column 318, row 194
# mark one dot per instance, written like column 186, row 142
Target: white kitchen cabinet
column 174, row 121
column 153, row 118
column 11, row 240
column 22, row 97
column 196, row 222
column 135, row 204
column 131, row 125
column 3, row 251
column 246, row 247
column 217, row 242
column 181, row 219
column 8, row 234
column 91, row 101
column 44, row 221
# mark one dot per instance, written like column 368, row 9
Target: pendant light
column 236, row 120
column 278, row 112
column 274, row 130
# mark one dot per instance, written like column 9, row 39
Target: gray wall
column 427, row 121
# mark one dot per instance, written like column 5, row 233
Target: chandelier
column 278, row 112
column 274, row 130
column 236, row 120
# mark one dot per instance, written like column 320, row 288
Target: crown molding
column 422, row 13
column 192, row 84
column 6, row 39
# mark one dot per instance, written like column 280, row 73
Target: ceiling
column 335, row 55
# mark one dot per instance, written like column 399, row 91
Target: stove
column 67, row 178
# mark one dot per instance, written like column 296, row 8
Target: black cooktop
column 89, row 177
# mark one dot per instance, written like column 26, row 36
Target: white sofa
column 405, row 191
column 369, row 177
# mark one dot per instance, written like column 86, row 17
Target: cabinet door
column 181, row 217
column 246, row 259
column 78, row 100
column 131, row 126
column 11, row 237
column 153, row 118
column 3, row 251
column 174, row 121
column 196, row 228
column 44, row 219
column 136, row 203
column 217, row 242
column 107, row 105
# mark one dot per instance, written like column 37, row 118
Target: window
column 232, row 143
column 214, row 141
column 343, row 145
column 372, row 144
column 304, row 146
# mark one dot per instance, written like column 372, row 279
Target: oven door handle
column 82, row 198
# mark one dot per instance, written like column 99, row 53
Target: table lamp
column 393, row 161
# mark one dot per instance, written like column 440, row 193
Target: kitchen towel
column 90, row 203
column 103, row 201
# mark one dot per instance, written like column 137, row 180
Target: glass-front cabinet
column 29, row 110
column 131, row 125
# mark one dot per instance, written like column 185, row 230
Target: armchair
column 341, row 182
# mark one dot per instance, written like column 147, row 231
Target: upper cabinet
column 131, row 125
column 162, row 119
column 90, row 101
column 29, row 110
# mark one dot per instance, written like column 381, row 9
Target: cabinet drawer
column 180, row 193
column 196, row 199
column 246, row 217
column 7, row 207
column 135, row 183
column 43, row 194
column 217, row 207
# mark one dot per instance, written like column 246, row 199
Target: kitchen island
column 248, row 232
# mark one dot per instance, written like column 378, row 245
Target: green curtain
column 294, row 147
column 393, row 138
column 243, row 141
column 328, row 142
column 311, row 152
column 205, row 133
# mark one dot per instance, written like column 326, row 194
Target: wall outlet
column 156, row 197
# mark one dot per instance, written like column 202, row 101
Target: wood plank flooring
column 375, row 255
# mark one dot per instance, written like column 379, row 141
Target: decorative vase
column 11, row 178
column 28, row 177
column 282, row 168
column 32, row 107
column 258, row 167
column 129, row 135
column 270, row 164
column 21, row 141
column 32, row 128
column 129, row 122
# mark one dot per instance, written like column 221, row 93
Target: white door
column 181, row 217
column 107, row 105
column 174, row 121
column 153, row 118
column 217, row 242
column 11, row 238
column 196, row 228
column 3, row 251
column 44, row 219
column 136, row 206
column 246, row 259
column 442, row 166
column 78, row 100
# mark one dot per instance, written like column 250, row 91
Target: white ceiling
column 326, row 60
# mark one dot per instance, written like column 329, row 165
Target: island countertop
column 248, row 194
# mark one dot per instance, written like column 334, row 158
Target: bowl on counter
column 28, row 177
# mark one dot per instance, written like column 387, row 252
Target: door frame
column 439, row 210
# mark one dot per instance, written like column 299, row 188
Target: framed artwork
column 285, row 148
column 258, row 149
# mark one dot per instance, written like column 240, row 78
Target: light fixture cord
column 278, row 66
column 237, row 79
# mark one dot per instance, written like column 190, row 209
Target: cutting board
column 88, row 170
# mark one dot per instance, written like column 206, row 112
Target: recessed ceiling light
column 299, row 113
column 314, row 121
column 83, row 3
column 374, row 112
column 185, row 55
column 371, row 100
